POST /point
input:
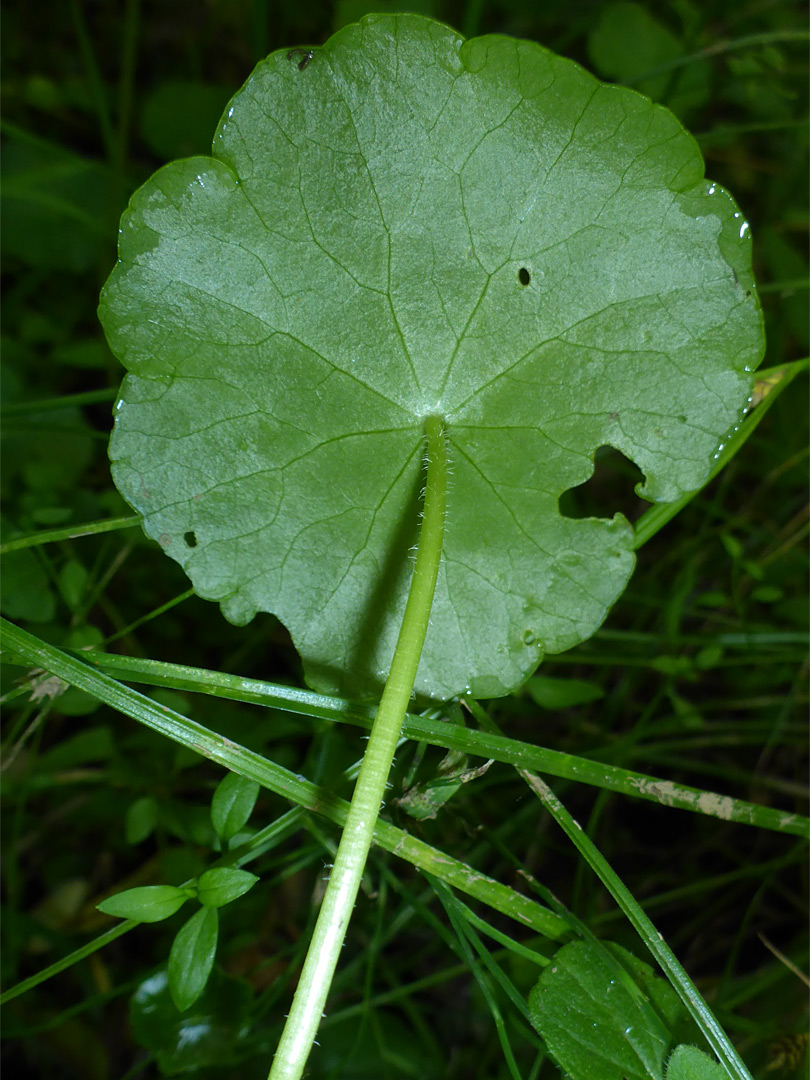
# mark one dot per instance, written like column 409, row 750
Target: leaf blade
column 594, row 1011
column 329, row 263
column 147, row 903
column 192, row 957
column 232, row 804
column 222, row 884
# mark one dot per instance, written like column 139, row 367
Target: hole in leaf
column 190, row 538
column 609, row 490
column 524, row 277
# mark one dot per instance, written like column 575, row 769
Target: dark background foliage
column 701, row 666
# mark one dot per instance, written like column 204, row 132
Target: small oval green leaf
column 72, row 583
column 141, row 819
column 148, row 903
column 220, row 885
column 553, row 693
column 192, row 957
column 232, row 804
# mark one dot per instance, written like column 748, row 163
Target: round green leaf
column 220, row 885
column 192, row 957
column 604, row 1014
column 148, row 903
column 408, row 224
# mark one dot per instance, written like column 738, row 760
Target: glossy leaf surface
column 222, row 884
column 232, row 804
column 192, row 957
column 411, row 224
column 605, row 1015
column 147, row 903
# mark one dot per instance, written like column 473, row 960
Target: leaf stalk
column 344, row 881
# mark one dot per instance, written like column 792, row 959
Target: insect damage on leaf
column 423, row 225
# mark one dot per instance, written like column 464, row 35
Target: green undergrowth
column 149, row 743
